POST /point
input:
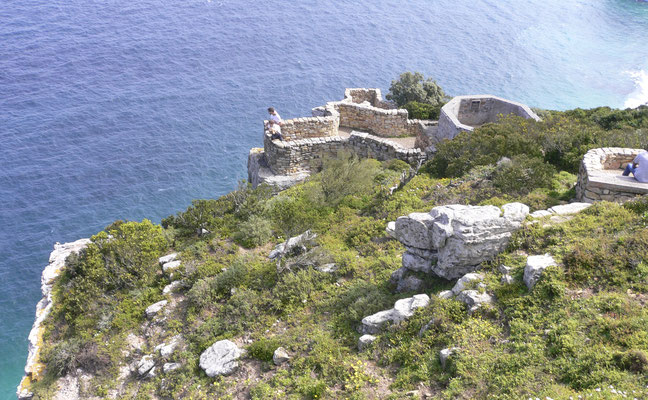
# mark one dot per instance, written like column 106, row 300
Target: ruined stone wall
column 380, row 122
column 464, row 113
column 290, row 157
column 309, row 127
column 599, row 177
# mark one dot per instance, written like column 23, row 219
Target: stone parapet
column 599, row 177
column 290, row 157
column 465, row 113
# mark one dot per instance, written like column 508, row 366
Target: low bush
column 522, row 175
column 253, row 232
column 416, row 110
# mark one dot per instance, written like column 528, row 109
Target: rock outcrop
column 534, row 268
column 402, row 310
column 220, row 358
column 33, row 367
column 453, row 240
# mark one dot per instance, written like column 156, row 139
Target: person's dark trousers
column 628, row 169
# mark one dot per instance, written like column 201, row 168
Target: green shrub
column 418, row 110
column 414, row 87
column 345, row 175
column 295, row 210
column 523, row 174
column 115, row 262
column 486, row 145
column 263, row 349
column 212, row 215
column 209, row 290
column 253, row 232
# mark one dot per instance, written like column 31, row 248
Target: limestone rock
column 445, row 354
column 376, row 322
column 503, row 269
column 465, row 236
column 414, row 262
column 391, row 229
column 571, row 208
column 365, row 341
column 145, row 365
column 474, row 299
column 465, row 280
column 151, row 373
column 172, row 287
column 296, row 244
column 405, row 308
column 515, row 212
column 220, row 358
column 168, row 367
column 153, row 309
column 414, row 230
column 327, row 268
column 170, row 266
column 541, row 213
column 168, row 258
column 410, row 284
column 402, row 310
column 507, row 279
column 534, row 268
column 280, row 356
column 446, row 294
column 167, row 349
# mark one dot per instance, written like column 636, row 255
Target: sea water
column 118, row 109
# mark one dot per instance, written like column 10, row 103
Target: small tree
column 414, row 87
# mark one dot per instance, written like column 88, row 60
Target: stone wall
column 323, row 125
column 465, row 113
column 599, row 177
column 290, row 157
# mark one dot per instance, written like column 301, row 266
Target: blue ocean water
column 119, row 109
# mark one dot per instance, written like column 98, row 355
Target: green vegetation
column 583, row 327
column 413, row 87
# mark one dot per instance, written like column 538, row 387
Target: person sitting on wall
column 638, row 167
column 274, row 124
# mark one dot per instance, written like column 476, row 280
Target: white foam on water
column 639, row 96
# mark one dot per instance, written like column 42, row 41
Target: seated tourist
column 638, row 167
column 274, row 124
column 275, row 130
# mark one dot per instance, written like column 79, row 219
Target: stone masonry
column 465, row 113
column 600, row 176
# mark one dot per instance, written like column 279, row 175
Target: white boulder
column 445, row 354
column 534, row 268
column 402, row 310
column 453, row 240
column 474, row 299
column 463, row 282
column 571, row 208
column 167, row 349
column 365, row 341
column 168, row 258
column 414, row 230
column 171, row 265
column 220, row 358
column 153, row 309
column 145, row 365
column 168, row 367
column 280, row 356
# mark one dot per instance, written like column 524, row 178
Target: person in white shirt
column 274, row 124
column 638, row 167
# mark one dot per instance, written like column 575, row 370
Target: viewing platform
column 600, row 176
column 366, row 125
